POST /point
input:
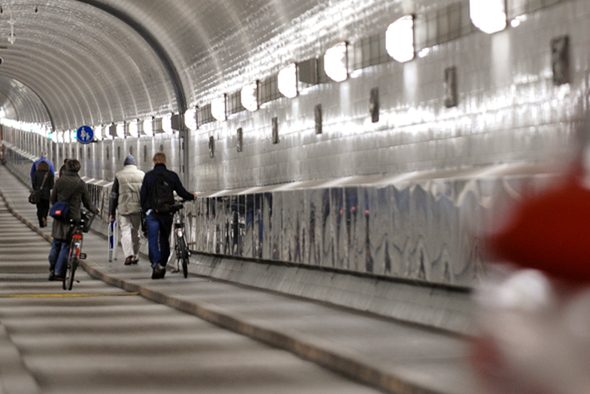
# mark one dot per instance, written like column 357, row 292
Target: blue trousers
column 159, row 227
column 58, row 257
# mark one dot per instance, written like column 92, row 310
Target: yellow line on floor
column 65, row 295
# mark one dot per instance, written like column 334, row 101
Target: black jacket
column 149, row 183
column 47, row 186
column 71, row 189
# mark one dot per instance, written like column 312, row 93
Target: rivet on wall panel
column 81, row 153
column 131, row 150
column 145, row 153
column 450, row 87
column 89, row 153
column 108, row 153
column 374, row 105
column 118, row 153
column 73, row 153
column 318, row 118
column 211, row 147
column 560, row 60
column 275, row 130
column 161, row 148
column 240, row 143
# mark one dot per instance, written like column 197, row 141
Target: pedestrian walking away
column 43, row 182
column 63, row 168
column 43, row 158
column 71, row 189
column 125, row 198
column 157, row 196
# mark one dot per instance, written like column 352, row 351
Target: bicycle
column 180, row 244
column 77, row 228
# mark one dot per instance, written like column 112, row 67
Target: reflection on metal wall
column 425, row 227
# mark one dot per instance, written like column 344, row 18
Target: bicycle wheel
column 184, row 252
column 70, row 272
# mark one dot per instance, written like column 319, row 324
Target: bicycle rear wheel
column 70, row 272
column 184, row 253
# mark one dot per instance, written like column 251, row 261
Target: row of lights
column 399, row 45
column 487, row 15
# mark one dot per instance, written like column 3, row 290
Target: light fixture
column 335, row 62
column 120, row 130
column 134, row 128
column 98, row 132
column 148, row 126
column 167, row 124
column 488, row 16
column 218, row 108
column 190, row 118
column 287, row 81
column 249, row 96
column 399, row 39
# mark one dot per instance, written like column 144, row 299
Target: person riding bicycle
column 69, row 188
column 157, row 195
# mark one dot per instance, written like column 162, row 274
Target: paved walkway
column 382, row 353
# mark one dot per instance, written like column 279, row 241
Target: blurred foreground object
column 551, row 232
column 534, row 317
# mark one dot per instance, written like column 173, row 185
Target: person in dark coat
column 43, row 158
column 159, row 225
column 69, row 188
column 43, row 181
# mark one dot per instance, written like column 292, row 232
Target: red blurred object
column 551, row 232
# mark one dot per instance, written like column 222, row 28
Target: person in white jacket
column 125, row 198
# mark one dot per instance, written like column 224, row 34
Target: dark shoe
column 135, row 260
column 44, row 220
column 158, row 272
column 52, row 276
column 59, row 278
column 129, row 260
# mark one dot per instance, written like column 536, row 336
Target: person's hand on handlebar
column 195, row 194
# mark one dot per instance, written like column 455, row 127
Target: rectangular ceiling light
column 488, row 16
column 167, row 124
column 399, row 39
column 218, row 108
column 287, row 80
column 120, row 130
column 133, row 128
column 335, row 62
column 148, row 126
column 249, row 96
column 190, row 118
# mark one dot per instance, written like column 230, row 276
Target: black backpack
column 163, row 195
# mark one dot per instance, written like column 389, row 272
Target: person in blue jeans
column 159, row 225
column 68, row 188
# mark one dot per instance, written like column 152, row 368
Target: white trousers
column 130, row 226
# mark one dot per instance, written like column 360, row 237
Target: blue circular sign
column 85, row 135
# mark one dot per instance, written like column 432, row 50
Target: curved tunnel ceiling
column 99, row 61
column 19, row 102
